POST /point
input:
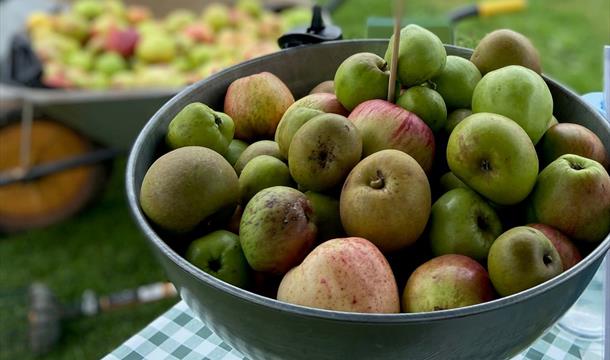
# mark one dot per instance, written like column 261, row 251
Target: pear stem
column 398, row 5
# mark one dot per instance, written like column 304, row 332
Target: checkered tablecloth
column 178, row 334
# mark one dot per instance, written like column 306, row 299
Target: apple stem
column 378, row 182
column 398, row 5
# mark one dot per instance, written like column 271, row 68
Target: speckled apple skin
column 256, row 104
column 447, row 282
column 345, row 274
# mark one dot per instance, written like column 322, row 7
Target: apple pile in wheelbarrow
column 107, row 44
column 463, row 189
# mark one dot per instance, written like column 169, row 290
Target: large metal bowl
column 264, row 328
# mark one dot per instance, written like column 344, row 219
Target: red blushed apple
column 121, row 41
column 384, row 125
column 199, row 33
column 256, row 104
column 447, row 282
column 137, row 13
column 569, row 253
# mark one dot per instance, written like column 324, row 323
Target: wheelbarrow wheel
column 51, row 198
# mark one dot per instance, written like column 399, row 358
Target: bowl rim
column 304, row 311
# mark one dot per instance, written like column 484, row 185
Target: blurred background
column 71, row 230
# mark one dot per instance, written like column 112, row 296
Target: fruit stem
column 378, row 182
column 485, row 165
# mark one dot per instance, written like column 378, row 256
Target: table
column 178, row 334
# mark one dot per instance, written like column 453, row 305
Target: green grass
column 569, row 35
column 101, row 248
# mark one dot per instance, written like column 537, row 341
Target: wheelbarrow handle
column 487, row 8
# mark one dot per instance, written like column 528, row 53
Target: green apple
column 327, row 218
column 552, row 122
column 236, row 148
column 521, row 258
column 346, row 274
column 386, row 199
column 219, row 254
column 572, row 194
column 323, row 151
column 493, row 156
column 446, row 282
column 455, row 117
column 81, row 59
column 568, row 138
column 185, row 186
column 448, row 181
column 88, row 8
column 156, row 48
column 198, row 125
column 263, row 147
column 277, row 229
column 109, row 63
column 427, row 104
column 262, row 172
column 302, row 111
column 421, row 55
column 178, row 19
column 457, row 81
column 217, row 16
column 361, row 77
column 517, row 93
column 462, row 222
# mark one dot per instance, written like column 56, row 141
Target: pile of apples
column 463, row 189
column 107, row 44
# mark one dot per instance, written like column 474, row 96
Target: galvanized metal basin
column 264, row 328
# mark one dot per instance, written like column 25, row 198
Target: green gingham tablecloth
column 178, row 334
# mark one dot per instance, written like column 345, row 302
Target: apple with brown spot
column 344, row 274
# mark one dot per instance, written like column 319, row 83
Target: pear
column 187, row 185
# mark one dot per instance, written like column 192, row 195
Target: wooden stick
column 398, row 5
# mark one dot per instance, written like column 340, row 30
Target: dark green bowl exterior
column 263, row 328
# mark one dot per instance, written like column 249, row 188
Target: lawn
column 101, row 248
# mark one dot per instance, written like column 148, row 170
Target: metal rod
column 59, row 165
column 25, row 147
column 398, row 5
